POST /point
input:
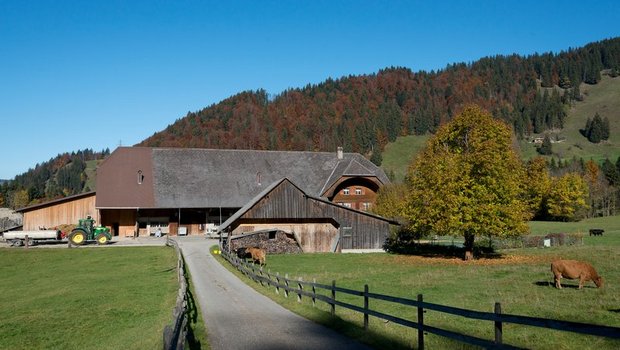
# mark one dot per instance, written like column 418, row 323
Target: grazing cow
column 596, row 232
column 573, row 269
column 258, row 255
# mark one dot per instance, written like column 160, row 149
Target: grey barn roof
column 198, row 178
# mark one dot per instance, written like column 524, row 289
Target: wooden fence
column 175, row 334
column 308, row 289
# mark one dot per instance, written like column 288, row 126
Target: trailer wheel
column 77, row 237
column 102, row 239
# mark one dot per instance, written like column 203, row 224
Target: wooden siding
column 61, row 213
column 287, row 202
column 125, row 220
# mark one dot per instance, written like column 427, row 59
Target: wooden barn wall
column 357, row 231
column 314, row 237
column 61, row 213
column 125, row 218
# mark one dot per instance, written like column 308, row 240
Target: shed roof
column 199, row 178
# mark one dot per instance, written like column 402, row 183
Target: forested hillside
column 364, row 113
column 61, row 176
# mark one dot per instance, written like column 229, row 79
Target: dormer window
column 345, row 191
column 358, row 191
column 140, row 177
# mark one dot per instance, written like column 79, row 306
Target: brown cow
column 573, row 269
column 258, row 255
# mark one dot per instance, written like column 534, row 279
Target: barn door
column 346, row 237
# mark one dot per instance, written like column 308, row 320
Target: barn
column 317, row 224
column 67, row 210
column 186, row 191
column 183, row 191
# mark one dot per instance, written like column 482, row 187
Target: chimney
column 340, row 153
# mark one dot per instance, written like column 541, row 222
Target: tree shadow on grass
column 430, row 250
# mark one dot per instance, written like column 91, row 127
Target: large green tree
column 468, row 181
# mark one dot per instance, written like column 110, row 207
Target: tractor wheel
column 77, row 237
column 102, row 239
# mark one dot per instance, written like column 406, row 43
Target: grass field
column 111, row 298
column 520, row 280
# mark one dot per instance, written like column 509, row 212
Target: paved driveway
column 237, row 317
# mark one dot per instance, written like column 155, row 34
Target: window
column 345, row 191
column 366, row 206
column 140, row 177
column 358, row 191
column 347, row 205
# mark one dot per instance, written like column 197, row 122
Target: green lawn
column 520, row 280
column 110, row 298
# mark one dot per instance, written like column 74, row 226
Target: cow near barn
column 573, row 269
column 258, row 255
column 242, row 253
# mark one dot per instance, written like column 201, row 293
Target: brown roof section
column 125, row 179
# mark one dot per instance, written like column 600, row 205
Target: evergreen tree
column 376, row 156
column 596, row 131
column 611, row 172
column 605, row 129
column 545, row 148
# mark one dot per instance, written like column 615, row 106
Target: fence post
column 333, row 298
column 420, row 323
column 365, row 307
column 277, row 282
column 26, row 240
column 286, row 284
column 301, row 288
column 313, row 292
column 498, row 324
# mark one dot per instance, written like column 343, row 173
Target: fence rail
column 175, row 334
column 308, row 289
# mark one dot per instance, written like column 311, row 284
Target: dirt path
column 237, row 317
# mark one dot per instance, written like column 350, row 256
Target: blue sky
column 96, row 74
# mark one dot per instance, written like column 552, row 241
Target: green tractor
column 87, row 231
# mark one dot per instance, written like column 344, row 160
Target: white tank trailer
column 18, row 238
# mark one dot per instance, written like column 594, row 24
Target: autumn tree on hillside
column 537, row 185
column 568, row 197
column 468, row 181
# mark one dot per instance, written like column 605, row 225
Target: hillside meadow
column 601, row 98
column 88, row 298
column 520, row 279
